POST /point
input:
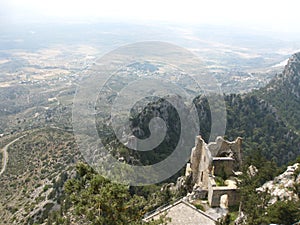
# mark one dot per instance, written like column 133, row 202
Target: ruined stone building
column 213, row 168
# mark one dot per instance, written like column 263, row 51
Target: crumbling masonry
column 210, row 163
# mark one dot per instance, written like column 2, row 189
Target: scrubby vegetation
column 38, row 166
column 256, row 205
column 248, row 116
column 92, row 199
column 40, row 184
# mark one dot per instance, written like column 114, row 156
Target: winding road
column 5, row 154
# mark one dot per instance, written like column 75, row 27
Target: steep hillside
column 257, row 122
column 267, row 119
column 38, row 164
column 274, row 192
column 284, row 187
column 283, row 92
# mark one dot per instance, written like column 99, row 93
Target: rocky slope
column 284, row 186
column 37, row 167
column 267, row 119
column 283, row 92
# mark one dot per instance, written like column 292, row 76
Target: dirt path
column 5, row 154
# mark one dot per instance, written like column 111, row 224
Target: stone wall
column 223, row 166
column 218, row 158
column 205, row 168
column 215, row 193
column 196, row 158
column 214, row 196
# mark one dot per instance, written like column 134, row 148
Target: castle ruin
column 213, row 168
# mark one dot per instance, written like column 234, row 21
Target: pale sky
column 277, row 15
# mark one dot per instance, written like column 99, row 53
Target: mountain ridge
column 283, row 93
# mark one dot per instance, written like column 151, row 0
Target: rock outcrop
column 283, row 187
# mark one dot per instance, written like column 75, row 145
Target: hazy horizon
column 273, row 16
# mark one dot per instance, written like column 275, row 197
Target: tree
column 284, row 212
column 101, row 201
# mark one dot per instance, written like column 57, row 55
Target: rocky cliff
column 284, row 186
column 283, row 92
